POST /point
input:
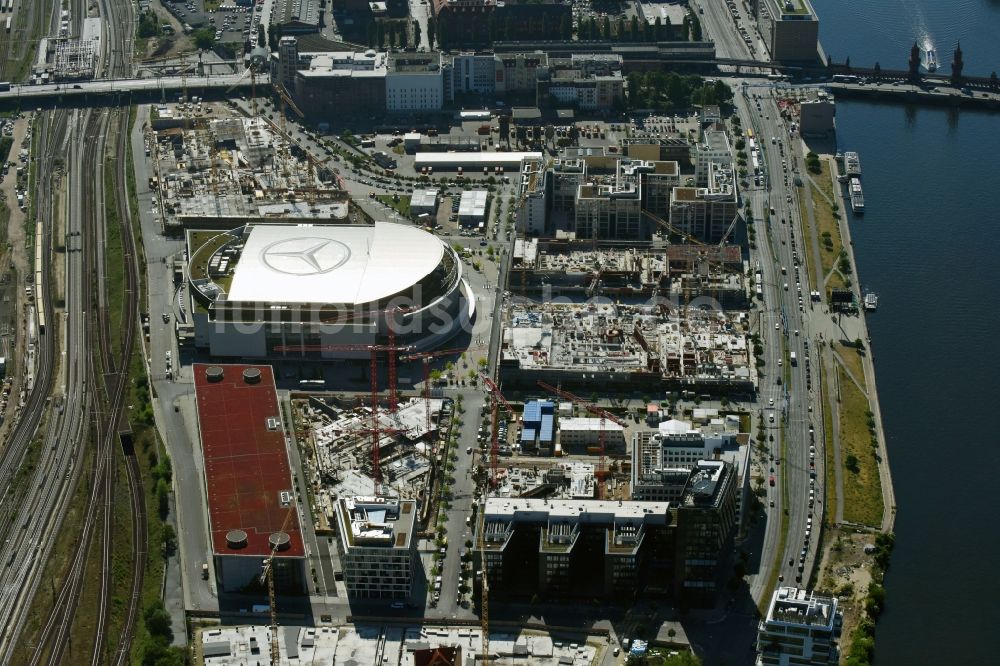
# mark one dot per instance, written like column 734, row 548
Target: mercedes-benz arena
column 323, row 291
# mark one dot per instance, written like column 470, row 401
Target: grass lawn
column 853, row 361
column 863, row 488
column 836, row 281
column 825, row 221
column 830, row 494
column 402, row 206
column 807, row 233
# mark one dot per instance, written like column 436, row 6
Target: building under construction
column 627, row 347
column 213, row 170
column 679, row 273
column 342, row 436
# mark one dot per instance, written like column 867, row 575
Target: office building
column 581, row 435
column 473, row 73
column 587, row 549
column 816, row 116
column 800, row 628
column 583, row 81
column 577, row 549
column 790, row 29
column 714, row 148
column 414, row 82
column 378, row 547
column 532, row 210
column 679, row 446
column 248, row 479
column 334, row 83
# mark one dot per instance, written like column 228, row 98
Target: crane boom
column 267, row 576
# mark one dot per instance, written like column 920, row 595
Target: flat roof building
column 584, row 548
column 424, row 201
column 248, row 482
column 377, row 544
column 800, row 628
column 472, row 207
column 581, row 434
column 509, row 161
column 790, row 29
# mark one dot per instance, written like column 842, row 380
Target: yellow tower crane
column 267, row 577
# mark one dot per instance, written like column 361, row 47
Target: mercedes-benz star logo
column 305, row 256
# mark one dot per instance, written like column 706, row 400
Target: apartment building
column 800, row 628
column 706, row 213
column 377, row 544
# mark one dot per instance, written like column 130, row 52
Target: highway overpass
column 91, row 93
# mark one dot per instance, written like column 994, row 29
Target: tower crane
column 427, row 358
column 484, row 601
column 599, row 473
column 391, row 349
column 267, row 577
column 494, row 414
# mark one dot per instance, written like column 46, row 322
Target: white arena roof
column 341, row 264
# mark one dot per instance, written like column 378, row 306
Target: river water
column 929, row 245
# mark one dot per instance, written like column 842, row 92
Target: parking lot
column 235, row 25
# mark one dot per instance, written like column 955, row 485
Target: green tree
column 658, row 29
column 851, row 463
column 431, row 33
column 695, row 28
column 157, row 620
column 149, row 25
column 169, row 538
column 633, row 28
column 204, row 38
column 274, row 36
column 416, row 33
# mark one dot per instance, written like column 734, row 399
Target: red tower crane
column 427, row 357
column 494, row 415
column 599, row 473
column 391, row 349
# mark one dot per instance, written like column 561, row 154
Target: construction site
column 627, row 347
column 214, row 166
column 341, row 437
column 680, row 273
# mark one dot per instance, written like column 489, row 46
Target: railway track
column 106, row 370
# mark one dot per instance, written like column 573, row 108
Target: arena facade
column 281, row 290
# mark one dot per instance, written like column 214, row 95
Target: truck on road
column 793, row 358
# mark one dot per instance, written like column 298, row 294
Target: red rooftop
column 249, row 482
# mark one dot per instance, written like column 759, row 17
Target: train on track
column 39, row 267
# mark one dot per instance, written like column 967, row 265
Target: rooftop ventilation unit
column 279, row 541
column 236, row 539
column 251, row 375
column 214, row 374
